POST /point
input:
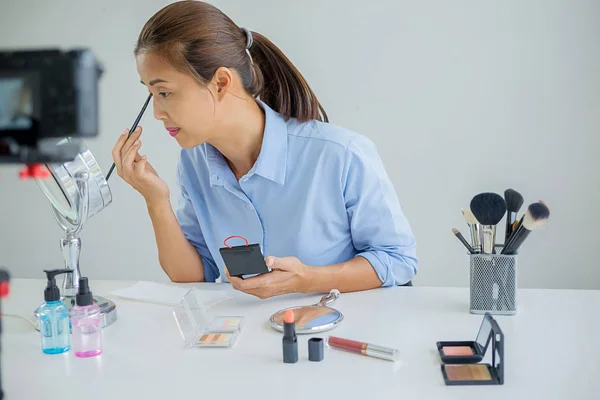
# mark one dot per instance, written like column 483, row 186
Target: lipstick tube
column 289, row 341
column 366, row 349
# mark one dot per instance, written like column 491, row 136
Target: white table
column 551, row 350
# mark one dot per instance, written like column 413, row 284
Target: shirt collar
column 272, row 159
column 217, row 165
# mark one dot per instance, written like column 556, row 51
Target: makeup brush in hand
column 514, row 201
column 488, row 208
column 474, row 228
column 135, row 124
column 537, row 214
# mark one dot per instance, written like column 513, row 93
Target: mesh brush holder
column 493, row 284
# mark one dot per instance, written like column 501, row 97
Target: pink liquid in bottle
column 85, row 319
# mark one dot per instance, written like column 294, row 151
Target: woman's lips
column 173, row 131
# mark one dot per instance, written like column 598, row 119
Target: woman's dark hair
column 197, row 38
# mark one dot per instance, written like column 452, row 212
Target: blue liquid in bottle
column 54, row 327
column 54, row 321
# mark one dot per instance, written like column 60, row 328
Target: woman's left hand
column 288, row 275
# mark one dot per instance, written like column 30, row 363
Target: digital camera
column 46, row 95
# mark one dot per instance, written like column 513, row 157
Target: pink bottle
column 85, row 319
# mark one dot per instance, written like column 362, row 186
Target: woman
column 259, row 160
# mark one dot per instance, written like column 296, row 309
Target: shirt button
column 250, row 207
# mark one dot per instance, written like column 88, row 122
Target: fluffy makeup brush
column 489, row 209
column 537, row 214
column 474, row 229
column 514, row 202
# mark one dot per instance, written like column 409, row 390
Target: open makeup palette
column 201, row 329
column 461, row 359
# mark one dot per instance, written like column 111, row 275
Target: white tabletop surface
column 551, row 350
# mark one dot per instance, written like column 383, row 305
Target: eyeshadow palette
column 221, row 332
column 459, row 366
column 470, row 351
column 216, row 340
column 225, row 324
column 199, row 328
column 474, row 372
column 450, row 351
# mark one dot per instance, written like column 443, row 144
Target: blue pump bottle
column 54, row 322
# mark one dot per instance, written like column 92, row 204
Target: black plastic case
column 244, row 260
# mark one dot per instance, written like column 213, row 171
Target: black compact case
column 244, row 260
column 470, row 372
column 456, row 352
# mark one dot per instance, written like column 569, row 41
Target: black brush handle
column 135, row 124
column 513, row 234
column 511, row 239
column 464, row 242
column 517, row 241
column 510, row 220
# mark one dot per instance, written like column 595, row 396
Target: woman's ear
column 222, row 78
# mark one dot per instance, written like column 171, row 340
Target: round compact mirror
column 313, row 318
column 77, row 190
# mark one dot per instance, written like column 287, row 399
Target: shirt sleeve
column 186, row 216
column 380, row 231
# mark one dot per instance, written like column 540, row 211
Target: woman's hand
column 136, row 170
column 288, row 275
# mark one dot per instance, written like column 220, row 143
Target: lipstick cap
column 315, row 349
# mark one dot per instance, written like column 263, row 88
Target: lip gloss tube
column 366, row 349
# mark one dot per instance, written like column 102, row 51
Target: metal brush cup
column 77, row 190
column 493, row 284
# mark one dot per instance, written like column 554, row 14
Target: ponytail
column 280, row 85
column 197, row 37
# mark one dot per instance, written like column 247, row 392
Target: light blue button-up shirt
column 317, row 191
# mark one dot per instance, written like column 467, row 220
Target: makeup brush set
column 493, row 272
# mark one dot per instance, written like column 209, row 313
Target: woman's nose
column 159, row 113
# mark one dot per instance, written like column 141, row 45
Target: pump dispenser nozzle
column 51, row 293
column 84, row 295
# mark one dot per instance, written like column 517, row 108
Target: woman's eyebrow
column 154, row 81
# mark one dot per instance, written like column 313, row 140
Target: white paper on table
column 170, row 295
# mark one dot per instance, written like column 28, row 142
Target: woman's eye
column 164, row 94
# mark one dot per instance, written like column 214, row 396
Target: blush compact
column 470, row 351
column 461, row 360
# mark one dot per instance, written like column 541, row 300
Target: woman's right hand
column 136, row 170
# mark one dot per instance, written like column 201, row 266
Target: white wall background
column 461, row 97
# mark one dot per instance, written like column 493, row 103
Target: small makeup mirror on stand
column 313, row 318
column 77, row 190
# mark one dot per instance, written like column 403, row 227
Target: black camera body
column 46, row 95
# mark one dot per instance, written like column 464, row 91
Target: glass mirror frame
column 63, row 180
column 323, row 304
